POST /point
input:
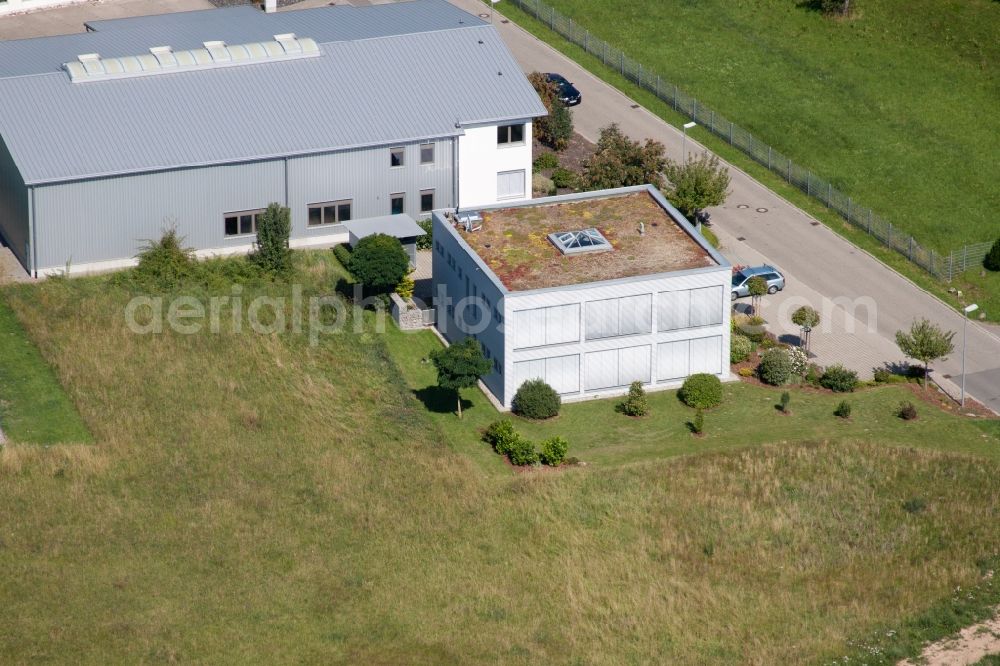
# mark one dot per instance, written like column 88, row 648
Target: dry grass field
column 251, row 498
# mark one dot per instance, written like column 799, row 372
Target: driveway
column 822, row 268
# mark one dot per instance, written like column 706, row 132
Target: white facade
column 595, row 339
column 490, row 171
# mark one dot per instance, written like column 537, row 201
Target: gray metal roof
column 371, row 91
column 235, row 25
column 398, row 226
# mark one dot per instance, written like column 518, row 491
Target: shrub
column 565, row 178
column 697, row 424
column 882, row 375
column 501, row 435
column 740, row 348
column 786, row 398
column 813, row 373
column 775, row 367
column 542, row 186
column 747, row 372
column 536, row 400
column 843, row 410
column 521, row 451
column 553, row 451
column 636, row 403
column 751, row 328
column 405, row 287
column 165, row 262
column 906, row 411
column 839, row 379
column 914, row 505
column 619, row 161
column 545, row 161
column 702, row 391
column 343, row 254
column 426, row 241
column 379, row 262
column 799, row 359
column 992, row 260
column 273, row 230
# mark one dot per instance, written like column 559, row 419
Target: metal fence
column 942, row 266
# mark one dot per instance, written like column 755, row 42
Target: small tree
column 925, row 342
column 992, row 260
column 379, row 262
column 619, row 161
column 697, row 184
column 636, row 404
column 273, row 229
column 556, row 128
column 786, row 398
column 460, row 366
column 757, row 286
column 806, row 318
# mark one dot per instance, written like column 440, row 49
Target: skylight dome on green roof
column 576, row 242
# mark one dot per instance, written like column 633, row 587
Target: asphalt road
column 859, row 292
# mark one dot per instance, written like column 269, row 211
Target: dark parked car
column 568, row 94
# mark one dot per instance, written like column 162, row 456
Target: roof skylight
column 576, row 242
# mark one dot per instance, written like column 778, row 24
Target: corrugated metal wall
column 111, row 218
column 13, row 206
column 366, row 176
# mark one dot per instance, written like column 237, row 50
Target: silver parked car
column 774, row 278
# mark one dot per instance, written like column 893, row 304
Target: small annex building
column 199, row 120
column 588, row 292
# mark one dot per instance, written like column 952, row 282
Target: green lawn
column 601, row 436
column 894, row 164
column 33, row 406
column 253, row 498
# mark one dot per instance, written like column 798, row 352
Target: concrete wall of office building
column 467, row 301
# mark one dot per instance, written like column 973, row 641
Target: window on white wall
column 510, row 184
column 546, row 326
column 617, row 367
column 706, row 306
column 562, row 373
column 619, row 316
column 706, row 355
column 672, row 360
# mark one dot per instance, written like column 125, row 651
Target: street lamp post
column 687, row 126
column 965, row 334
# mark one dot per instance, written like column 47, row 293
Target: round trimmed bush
column 740, row 348
column 501, row 434
column 380, row 262
column 775, row 367
column 839, row 379
column 536, row 400
column 522, row 451
column 701, row 391
column 553, row 451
